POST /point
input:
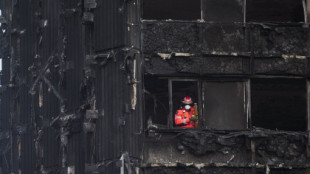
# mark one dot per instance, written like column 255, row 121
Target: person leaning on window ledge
column 185, row 116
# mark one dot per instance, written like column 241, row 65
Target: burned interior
column 154, row 86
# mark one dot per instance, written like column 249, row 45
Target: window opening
column 279, row 104
column 221, row 105
column 223, row 10
column 184, row 94
column 225, row 105
column 156, row 100
column 171, row 9
column 274, row 11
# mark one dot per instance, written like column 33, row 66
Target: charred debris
column 91, row 86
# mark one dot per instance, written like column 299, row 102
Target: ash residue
column 288, row 149
column 201, row 143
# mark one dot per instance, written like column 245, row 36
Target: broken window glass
column 171, row 9
column 279, row 103
column 274, row 11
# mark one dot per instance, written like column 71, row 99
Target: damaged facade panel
column 198, row 65
column 233, row 149
column 228, row 39
column 280, row 66
column 231, row 39
column 118, row 124
column 7, row 91
column 279, row 40
column 166, row 37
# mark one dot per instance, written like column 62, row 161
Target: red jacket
column 181, row 118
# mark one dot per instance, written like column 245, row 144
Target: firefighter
column 185, row 117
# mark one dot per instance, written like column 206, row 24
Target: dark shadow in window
column 223, row 10
column 279, row 104
column 156, row 100
column 171, row 9
column 274, row 11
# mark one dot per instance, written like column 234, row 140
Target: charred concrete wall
column 241, row 49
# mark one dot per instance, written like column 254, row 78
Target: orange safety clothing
column 182, row 118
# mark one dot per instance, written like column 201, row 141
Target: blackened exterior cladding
column 217, row 49
column 203, row 49
column 189, row 37
column 118, row 129
column 109, row 24
column 74, row 49
column 38, row 34
column 239, row 49
column 224, row 65
column 7, row 92
column 27, row 53
column 50, row 27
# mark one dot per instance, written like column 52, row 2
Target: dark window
column 274, row 11
column 223, row 10
column 156, row 100
column 224, row 105
column 221, row 105
column 171, row 9
column 279, row 104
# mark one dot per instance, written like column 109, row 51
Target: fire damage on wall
column 94, row 86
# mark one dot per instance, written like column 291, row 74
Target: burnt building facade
column 91, row 86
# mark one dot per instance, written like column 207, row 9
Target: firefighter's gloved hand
column 192, row 119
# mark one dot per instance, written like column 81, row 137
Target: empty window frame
column 222, row 105
column 223, row 10
column 171, row 9
column 226, row 105
column 279, row 103
column 275, row 11
column 156, row 100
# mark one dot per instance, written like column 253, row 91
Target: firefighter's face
column 187, row 107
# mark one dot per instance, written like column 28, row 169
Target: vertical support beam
column 308, row 105
column 253, row 147
column 248, row 104
column 244, row 12
column 200, row 121
column 201, row 10
column 308, row 10
column 308, row 117
column 170, row 123
column 306, row 5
